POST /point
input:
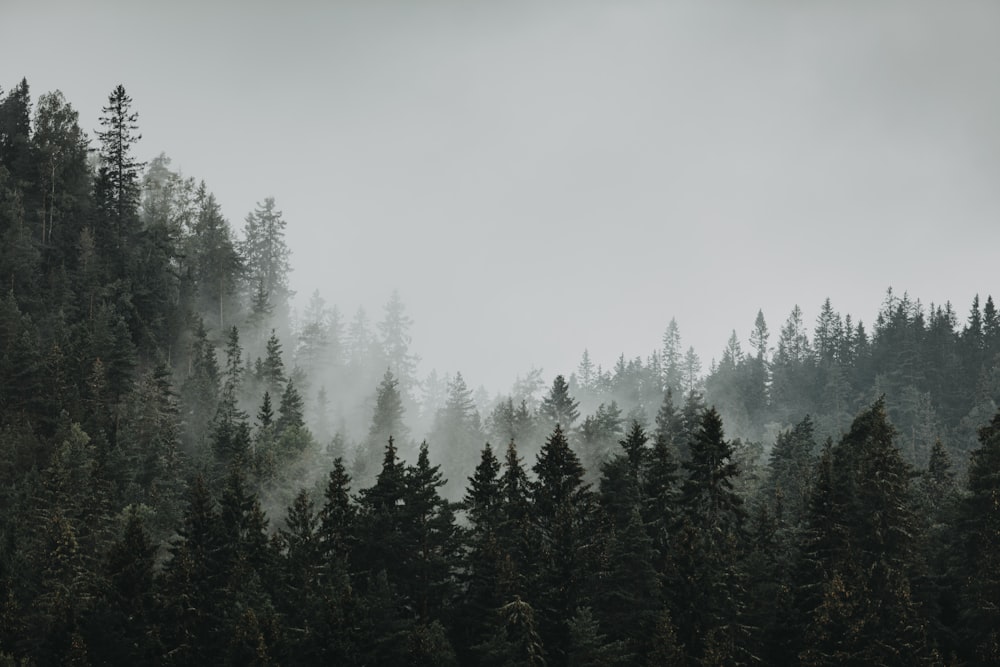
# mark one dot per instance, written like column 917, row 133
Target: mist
column 558, row 170
column 499, row 333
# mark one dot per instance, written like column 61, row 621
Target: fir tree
column 558, row 407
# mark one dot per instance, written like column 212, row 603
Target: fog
column 531, row 332
column 542, row 178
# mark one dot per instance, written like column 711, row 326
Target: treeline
column 189, row 475
column 939, row 375
column 833, row 554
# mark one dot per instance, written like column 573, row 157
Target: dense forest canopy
column 192, row 473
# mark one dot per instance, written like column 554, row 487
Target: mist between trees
column 193, row 475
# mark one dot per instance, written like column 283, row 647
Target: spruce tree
column 558, row 407
column 564, row 515
column 710, row 534
column 483, row 505
column 979, row 557
column 861, row 550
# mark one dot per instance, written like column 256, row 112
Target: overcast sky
column 541, row 177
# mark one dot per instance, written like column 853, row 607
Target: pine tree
column 128, row 627
column 271, row 370
column 192, row 582
column 266, row 253
column 673, row 361
column 290, row 412
column 564, row 515
column 432, row 541
column 214, row 260
column 483, row 505
column 622, row 476
column 860, row 550
column 15, row 131
column 118, row 180
column 630, row 595
column 708, row 543
column 382, row 539
column 63, row 177
column 558, row 407
column 979, row 557
column 395, row 333
column 791, row 464
column 515, row 641
column 457, row 433
column 599, row 436
column 387, row 422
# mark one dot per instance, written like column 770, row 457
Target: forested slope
column 190, row 473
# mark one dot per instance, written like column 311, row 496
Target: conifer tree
column 266, row 254
column 979, row 558
column 558, row 407
column 708, row 543
column 861, row 550
column 564, row 515
column 483, row 505
column 457, row 432
column 672, row 358
column 290, row 412
column 118, row 181
column 395, row 338
column 429, row 579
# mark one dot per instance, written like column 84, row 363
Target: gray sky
column 539, row 177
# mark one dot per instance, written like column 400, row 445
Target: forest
column 193, row 473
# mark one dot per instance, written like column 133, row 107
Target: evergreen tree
column 791, row 464
column 672, row 359
column 564, row 516
column 457, row 432
column 124, row 629
column 558, row 407
column 290, row 412
column 708, row 545
column 515, row 641
column 15, row 131
column 382, row 538
column 266, row 254
column 118, row 184
column 63, row 178
column 979, row 519
column 387, row 422
column 429, row 580
column 860, row 547
column 599, row 435
column 395, row 334
column 214, row 260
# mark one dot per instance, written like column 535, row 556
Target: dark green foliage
column 120, row 282
column 558, row 407
column 629, row 595
column 290, row 412
column 484, row 507
column 271, row 370
column 119, row 629
column 565, row 521
column 792, row 462
column 979, row 522
column 515, row 641
column 709, row 542
column 432, row 540
column 861, row 548
column 15, row 130
column 599, row 435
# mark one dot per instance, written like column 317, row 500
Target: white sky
column 539, row 177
